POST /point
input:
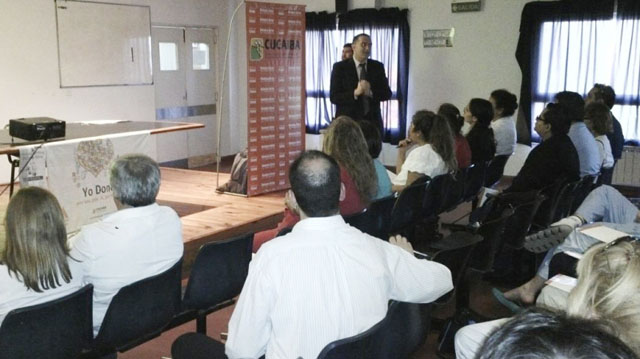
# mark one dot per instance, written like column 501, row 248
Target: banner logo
column 257, row 49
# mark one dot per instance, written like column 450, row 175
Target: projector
column 36, row 128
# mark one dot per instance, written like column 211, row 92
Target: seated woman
column 478, row 114
column 374, row 144
column 452, row 114
column 503, row 125
column 608, row 281
column 344, row 142
column 555, row 157
column 598, row 120
column 432, row 151
column 35, row 266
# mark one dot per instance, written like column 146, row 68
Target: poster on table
column 77, row 172
column 276, row 93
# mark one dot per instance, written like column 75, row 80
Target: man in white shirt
column 139, row 240
column 325, row 280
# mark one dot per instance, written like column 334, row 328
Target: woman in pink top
column 345, row 142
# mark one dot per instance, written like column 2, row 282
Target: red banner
column 276, row 93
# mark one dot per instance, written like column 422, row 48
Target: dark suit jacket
column 552, row 159
column 344, row 79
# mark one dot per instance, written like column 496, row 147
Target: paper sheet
column 562, row 282
column 602, row 233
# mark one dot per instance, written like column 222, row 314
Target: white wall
column 482, row 59
column 29, row 65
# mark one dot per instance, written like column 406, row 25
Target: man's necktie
column 364, row 99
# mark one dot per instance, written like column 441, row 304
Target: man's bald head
column 315, row 181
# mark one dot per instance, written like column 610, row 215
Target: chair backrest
column 564, row 201
column 408, row 206
column 455, row 190
column 525, row 206
column 57, row 329
column 606, row 176
column 375, row 220
column 435, row 194
column 218, row 273
column 583, row 189
column 546, row 211
column 475, row 180
column 493, row 234
column 393, row 337
column 495, row 170
column 139, row 311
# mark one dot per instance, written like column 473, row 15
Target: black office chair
column 606, row 176
column 475, row 254
column 396, row 336
column 217, row 276
column 475, row 180
column 59, row 329
column 375, row 219
column 197, row 346
column 455, row 190
column 139, row 312
column 495, row 170
column 408, row 208
column 583, row 189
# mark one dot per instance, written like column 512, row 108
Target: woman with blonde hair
column 344, row 142
column 607, row 288
column 432, row 152
column 35, row 266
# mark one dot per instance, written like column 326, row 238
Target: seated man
column 603, row 204
column 139, row 240
column 325, row 280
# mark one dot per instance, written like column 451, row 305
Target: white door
column 185, row 90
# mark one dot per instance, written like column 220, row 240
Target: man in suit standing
column 359, row 84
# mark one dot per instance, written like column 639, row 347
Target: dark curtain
column 368, row 20
column 319, row 61
column 534, row 15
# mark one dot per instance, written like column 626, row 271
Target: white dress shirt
column 504, row 131
column 14, row 294
column 124, row 247
column 424, row 160
column 322, row 282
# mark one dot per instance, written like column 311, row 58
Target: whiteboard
column 102, row 44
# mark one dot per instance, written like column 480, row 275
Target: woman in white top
column 34, row 265
column 504, row 127
column 432, row 150
column 598, row 119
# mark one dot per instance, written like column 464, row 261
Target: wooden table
column 78, row 130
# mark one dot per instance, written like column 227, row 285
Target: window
column 200, row 56
column 317, row 98
column 573, row 55
column 168, row 56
